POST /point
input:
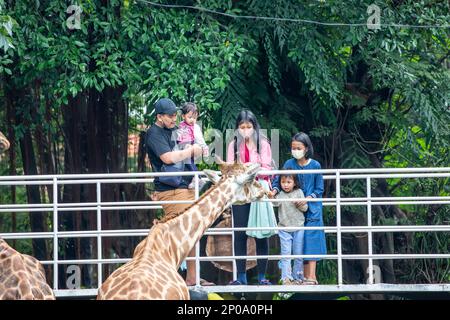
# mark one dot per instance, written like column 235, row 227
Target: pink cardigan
column 264, row 158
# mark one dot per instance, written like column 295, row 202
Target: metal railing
column 338, row 175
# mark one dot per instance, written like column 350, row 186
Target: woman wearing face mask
column 312, row 185
column 247, row 146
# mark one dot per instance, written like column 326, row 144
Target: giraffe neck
column 184, row 231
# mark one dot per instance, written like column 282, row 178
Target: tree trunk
column 37, row 219
column 75, row 134
column 12, row 159
column 96, row 130
column 386, row 240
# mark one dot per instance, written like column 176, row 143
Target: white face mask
column 246, row 133
column 298, row 154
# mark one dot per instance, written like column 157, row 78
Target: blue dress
column 312, row 185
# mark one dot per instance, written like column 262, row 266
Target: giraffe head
column 242, row 177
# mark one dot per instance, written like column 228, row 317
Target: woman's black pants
column 240, row 220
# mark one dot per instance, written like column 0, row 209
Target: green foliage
column 7, row 24
column 233, row 99
column 282, row 296
column 133, row 46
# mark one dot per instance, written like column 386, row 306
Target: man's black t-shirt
column 159, row 141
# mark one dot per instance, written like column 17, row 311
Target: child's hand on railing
column 299, row 204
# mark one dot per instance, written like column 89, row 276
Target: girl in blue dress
column 312, row 186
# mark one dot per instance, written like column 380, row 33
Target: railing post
column 369, row 232
column 338, row 226
column 55, row 233
column 197, row 188
column 232, row 247
column 99, row 236
column 197, row 245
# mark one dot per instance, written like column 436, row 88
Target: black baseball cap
column 165, row 106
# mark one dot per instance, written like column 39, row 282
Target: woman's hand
column 272, row 194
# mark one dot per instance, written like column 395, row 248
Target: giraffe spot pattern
column 21, row 276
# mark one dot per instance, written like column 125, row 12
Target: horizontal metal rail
column 364, row 171
column 329, row 288
column 269, row 257
column 225, row 231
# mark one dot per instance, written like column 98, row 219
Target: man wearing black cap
column 161, row 142
column 162, row 149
